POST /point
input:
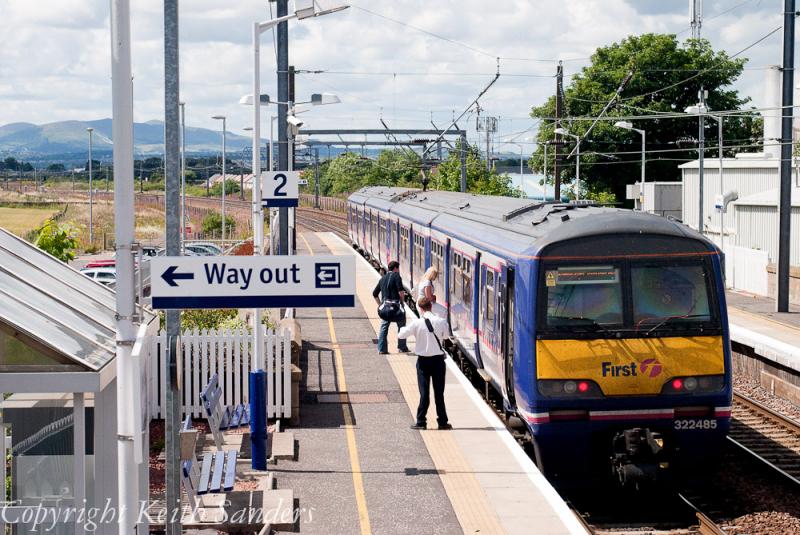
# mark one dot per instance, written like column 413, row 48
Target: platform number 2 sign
column 280, row 188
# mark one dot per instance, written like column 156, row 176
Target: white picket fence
column 228, row 353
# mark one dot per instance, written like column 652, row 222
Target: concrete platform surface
column 361, row 469
column 773, row 335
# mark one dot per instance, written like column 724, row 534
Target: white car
column 103, row 275
column 212, row 249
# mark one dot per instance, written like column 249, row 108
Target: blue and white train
column 604, row 330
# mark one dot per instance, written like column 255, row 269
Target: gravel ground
column 753, row 389
column 773, row 506
column 765, row 523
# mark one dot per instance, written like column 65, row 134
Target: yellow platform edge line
column 468, row 499
column 352, row 447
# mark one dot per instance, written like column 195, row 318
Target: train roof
column 523, row 226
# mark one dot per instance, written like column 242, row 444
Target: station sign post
column 195, row 282
column 280, row 189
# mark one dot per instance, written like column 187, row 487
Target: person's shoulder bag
column 430, row 329
column 389, row 309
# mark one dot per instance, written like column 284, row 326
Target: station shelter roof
column 63, row 319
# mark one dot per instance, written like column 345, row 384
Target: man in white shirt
column 429, row 331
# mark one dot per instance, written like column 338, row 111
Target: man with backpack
column 390, row 307
column 429, row 330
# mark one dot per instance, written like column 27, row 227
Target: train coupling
column 638, row 457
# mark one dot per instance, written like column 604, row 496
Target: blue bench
column 216, row 472
column 218, row 415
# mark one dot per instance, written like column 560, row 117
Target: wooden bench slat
column 230, row 470
column 205, row 474
column 216, row 480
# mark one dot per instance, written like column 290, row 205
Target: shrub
column 212, row 223
column 58, row 239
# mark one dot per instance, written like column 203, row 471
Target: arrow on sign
column 170, row 276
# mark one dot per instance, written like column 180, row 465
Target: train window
column 674, row 294
column 466, row 278
column 490, row 294
column 583, row 296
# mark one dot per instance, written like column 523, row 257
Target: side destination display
column 180, row 282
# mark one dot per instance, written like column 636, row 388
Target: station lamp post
column 91, row 192
column 307, row 10
column 700, row 109
column 565, row 132
column 720, row 121
column 224, row 132
column 627, row 125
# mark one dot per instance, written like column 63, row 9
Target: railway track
column 322, row 221
column 768, row 436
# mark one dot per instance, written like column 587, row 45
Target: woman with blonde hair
column 425, row 288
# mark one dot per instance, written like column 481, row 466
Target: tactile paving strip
column 353, row 397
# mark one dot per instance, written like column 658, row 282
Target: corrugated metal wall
column 746, row 181
column 757, row 228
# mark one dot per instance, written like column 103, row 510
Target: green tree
column 58, row 239
column 11, row 163
column 447, row 175
column 56, row 167
column 346, row 173
column 212, row 223
column 231, row 187
column 667, row 76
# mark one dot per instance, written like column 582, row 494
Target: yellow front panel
column 629, row 366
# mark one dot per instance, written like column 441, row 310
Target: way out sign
column 180, row 282
column 280, row 189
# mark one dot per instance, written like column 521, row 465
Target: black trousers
column 431, row 369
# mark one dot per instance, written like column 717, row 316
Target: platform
column 773, row 335
column 361, row 469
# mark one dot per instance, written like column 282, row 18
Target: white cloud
column 55, row 63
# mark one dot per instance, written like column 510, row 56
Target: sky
column 405, row 61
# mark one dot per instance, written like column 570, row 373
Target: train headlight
column 690, row 384
column 694, row 385
column 570, row 388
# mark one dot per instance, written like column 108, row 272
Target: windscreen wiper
column 672, row 318
column 587, row 322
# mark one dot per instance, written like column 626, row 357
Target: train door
column 381, row 238
column 475, row 307
column 412, row 254
column 487, row 325
column 507, row 332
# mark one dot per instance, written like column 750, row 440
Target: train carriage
column 604, row 330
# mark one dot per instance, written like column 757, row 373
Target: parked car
column 214, row 248
column 163, row 252
column 109, row 262
column 103, row 275
column 201, row 249
column 149, row 250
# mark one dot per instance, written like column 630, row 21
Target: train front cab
column 631, row 359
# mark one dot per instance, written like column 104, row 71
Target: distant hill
column 26, row 140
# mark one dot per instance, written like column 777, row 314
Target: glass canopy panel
column 54, row 334
column 57, row 271
column 15, row 352
column 23, row 277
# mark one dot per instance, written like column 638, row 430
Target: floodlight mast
column 305, row 9
column 627, row 125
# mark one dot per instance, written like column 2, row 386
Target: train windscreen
column 628, row 298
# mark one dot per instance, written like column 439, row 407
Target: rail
column 767, row 435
